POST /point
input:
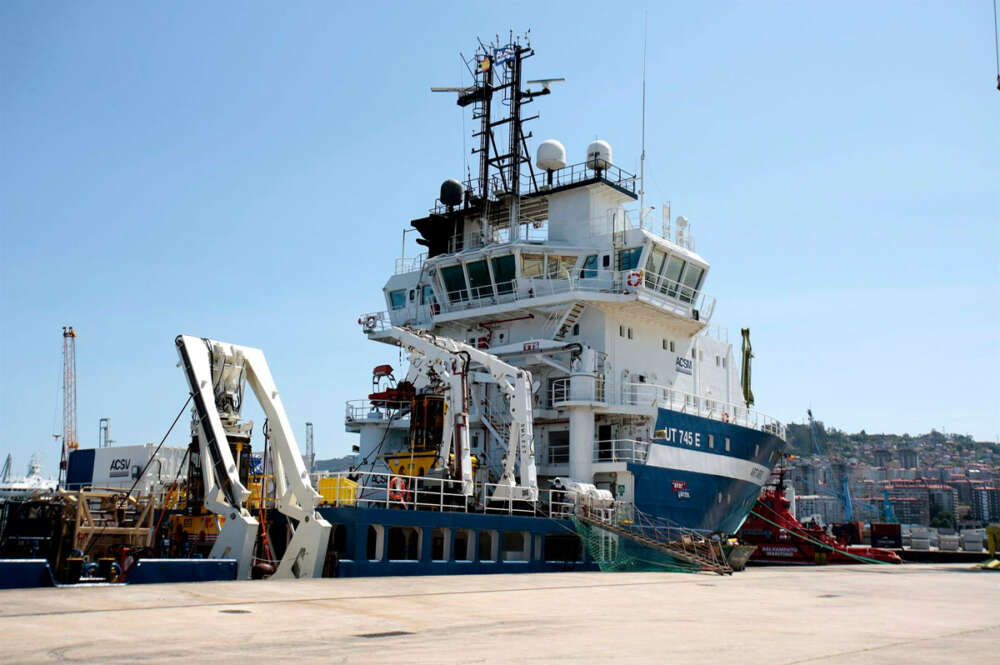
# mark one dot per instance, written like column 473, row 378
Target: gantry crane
column 216, row 373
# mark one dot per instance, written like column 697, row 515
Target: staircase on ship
column 692, row 550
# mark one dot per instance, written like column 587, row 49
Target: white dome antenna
column 551, row 156
column 599, row 155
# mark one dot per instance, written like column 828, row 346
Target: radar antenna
column 497, row 68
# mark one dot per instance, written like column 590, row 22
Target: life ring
column 397, row 489
column 725, row 417
column 370, row 322
column 634, row 278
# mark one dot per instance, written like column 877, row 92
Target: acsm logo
column 119, row 467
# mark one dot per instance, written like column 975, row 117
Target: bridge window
column 532, row 265
column 504, row 273
column 397, row 299
column 560, row 267
column 589, row 267
column 654, row 264
column 628, row 259
column 479, row 279
column 672, row 275
column 427, row 295
column 691, row 281
column 454, row 283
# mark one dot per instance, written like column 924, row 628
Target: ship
column 780, row 538
column 15, row 489
column 560, row 275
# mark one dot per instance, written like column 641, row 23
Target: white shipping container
column 117, row 467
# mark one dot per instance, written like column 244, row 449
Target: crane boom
column 450, row 360
column 215, row 372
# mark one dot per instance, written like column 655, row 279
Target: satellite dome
column 451, row 192
column 599, row 155
column 551, row 155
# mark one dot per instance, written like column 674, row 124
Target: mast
column 642, row 156
column 497, row 67
column 69, row 442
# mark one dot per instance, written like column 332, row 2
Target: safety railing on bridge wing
column 374, row 321
column 651, row 394
column 676, row 296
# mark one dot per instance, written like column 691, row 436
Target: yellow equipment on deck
column 337, row 491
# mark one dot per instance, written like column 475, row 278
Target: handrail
column 366, row 410
column 388, row 490
column 651, row 394
column 616, row 282
column 407, row 264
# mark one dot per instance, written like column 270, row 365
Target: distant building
column 908, row 458
column 829, row 509
column 943, row 498
column 883, row 457
column 986, row 504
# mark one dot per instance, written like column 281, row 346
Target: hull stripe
column 696, row 461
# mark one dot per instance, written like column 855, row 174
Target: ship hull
column 702, row 473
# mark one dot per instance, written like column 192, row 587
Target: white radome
column 551, row 155
column 599, row 154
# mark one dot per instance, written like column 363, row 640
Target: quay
column 931, row 613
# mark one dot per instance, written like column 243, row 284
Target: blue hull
column 711, row 488
column 718, row 472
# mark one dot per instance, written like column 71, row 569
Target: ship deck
column 849, row 614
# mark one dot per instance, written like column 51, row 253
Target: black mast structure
column 497, row 68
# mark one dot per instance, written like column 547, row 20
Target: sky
column 244, row 171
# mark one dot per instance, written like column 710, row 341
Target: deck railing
column 651, row 394
column 661, row 291
column 364, row 410
column 401, row 492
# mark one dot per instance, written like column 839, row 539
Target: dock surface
column 771, row 616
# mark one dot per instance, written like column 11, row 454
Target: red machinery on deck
column 780, row 537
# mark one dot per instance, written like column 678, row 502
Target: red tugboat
column 781, row 539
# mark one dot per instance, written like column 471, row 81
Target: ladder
column 690, row 546
column 569, row 319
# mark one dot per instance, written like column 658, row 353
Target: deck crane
column 446, row 361
column 217, row 373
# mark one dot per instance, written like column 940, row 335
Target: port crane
column 446, row 364
column 217, row 373
column 845, row 494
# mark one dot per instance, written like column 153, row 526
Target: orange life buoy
column 634, row 278
column 397, row 489
column 370, row 322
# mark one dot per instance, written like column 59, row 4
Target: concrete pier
column 769, row 616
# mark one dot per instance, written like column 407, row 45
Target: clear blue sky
column 244, row 170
